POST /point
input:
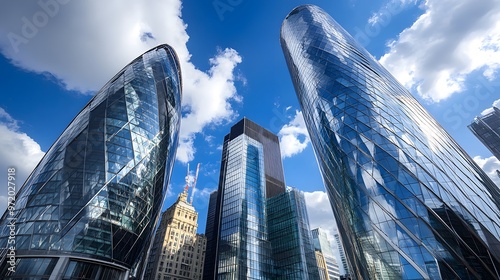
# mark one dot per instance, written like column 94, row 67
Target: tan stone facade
column 178, row 252
column 320, row 261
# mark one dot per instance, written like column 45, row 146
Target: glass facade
column 290, row 237
column 211, row 233
column 98, row 191
column 487, row 129
column 409, row 202
column 255, row 228
column 243, row 249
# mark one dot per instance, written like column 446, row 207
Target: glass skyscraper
column 242, row 249
column 89, row 208
column 290, row 236
column 256, row 229
column 409, row 202
column 211, row 233
column 487, row 129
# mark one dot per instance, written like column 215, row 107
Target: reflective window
column 410, row 204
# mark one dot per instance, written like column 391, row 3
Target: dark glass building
column 487, row 129
column 248, row 213
column 290, row 236
column 242, row 249
column 211, row 233
column 89, row 208
column 409, row 202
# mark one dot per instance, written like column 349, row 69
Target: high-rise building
column 343, row 259
column 290, row 237
column 487, row 129
column 89, row 209
column 211, row 233
column 178, row 252
column 321, row 243
column 409, row 202
column 250, row 204
column 243, row 250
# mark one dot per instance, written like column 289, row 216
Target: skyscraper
column 252, row 213
column 290, row 237
column 487, row 129
column 321, row 243
column 343, row 260
column 409, row 202
column 211, row 233
column 250, row 168
column 90, row 206
column 178, row 252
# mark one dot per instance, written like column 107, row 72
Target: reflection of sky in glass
column 100, row 187
column 410, row 200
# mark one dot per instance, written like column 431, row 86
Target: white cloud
column 208, row 96
column 84, row 43
column 490, row 166
column 389, row 9
column 320, row 212
column 203, row 194
column 293, row 136
column 18, row 151
column 444, row 45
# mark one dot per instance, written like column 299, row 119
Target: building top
column 275, row 178
column 182, row 202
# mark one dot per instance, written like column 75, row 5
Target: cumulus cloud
column 320, row 212
column 82, row 44
column 449, row 41
column 293, row 136
column 490, row 165
column 208, row 96
column 18, row 151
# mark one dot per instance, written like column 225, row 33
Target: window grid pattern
column 409, row 202
column 487, row 129
column 243, row 249
column 99, row 189
column 290, row 236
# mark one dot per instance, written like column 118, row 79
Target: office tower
column 321, row 243
column 90, row 206
column 321, row 263
column 343, row 259
column 409, row 202
column 487, row 129
column 245, row 213
column 211, row 228
column 250, row 155
column 178, row 252
column 290, row 237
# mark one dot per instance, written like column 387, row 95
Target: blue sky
column 57, row 54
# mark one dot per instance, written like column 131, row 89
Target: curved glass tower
column 89, row 208
column 409, row 202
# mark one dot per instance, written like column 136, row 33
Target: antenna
column 194, row 183
column 187, row 180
